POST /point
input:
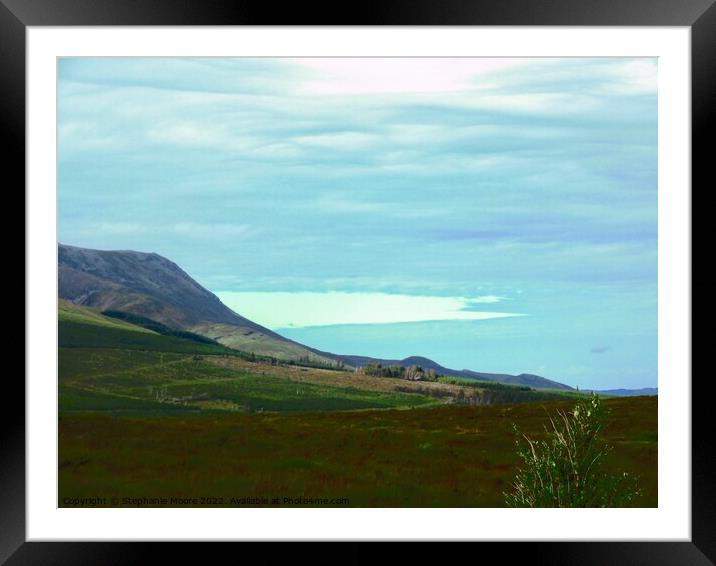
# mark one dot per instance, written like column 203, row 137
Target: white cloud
column 487, row 299
column 302, row 309
column 634, row 76
column 349, row 76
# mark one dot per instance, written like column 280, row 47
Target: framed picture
column 409, row 190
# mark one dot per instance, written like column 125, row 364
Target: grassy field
column 430, row 457
column 167, row 381
column 218, row 382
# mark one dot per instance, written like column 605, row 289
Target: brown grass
column 449, row 456
column 340, row 378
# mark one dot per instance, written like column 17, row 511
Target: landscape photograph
column 357, row 282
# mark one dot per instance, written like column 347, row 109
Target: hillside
column 151, row 286
column 118, row 366
column 68, row 312
column 530, row 380
column 85, row 327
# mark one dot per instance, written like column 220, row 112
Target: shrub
column 566, row 468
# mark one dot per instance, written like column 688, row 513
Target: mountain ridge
column 112, row 270
column 426, row 363
column 149, row 285
column 643, row 391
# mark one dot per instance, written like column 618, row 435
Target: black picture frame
column 698, row 15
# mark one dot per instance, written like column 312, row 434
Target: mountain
column 530, row 380
column 137, row 286
column 147, row 282
column 151, row 286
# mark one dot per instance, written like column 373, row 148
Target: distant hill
column 649, row 391
column 535, row 381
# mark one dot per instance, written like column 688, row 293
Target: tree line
column 411, row 373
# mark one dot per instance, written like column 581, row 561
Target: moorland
column 148, row 412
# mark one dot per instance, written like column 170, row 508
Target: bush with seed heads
column 566, row 469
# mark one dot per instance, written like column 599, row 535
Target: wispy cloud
column 211, row 230
column 199, row 230
column 293, row 310
column 337, row 76
column 476, row 302
column 343, row 202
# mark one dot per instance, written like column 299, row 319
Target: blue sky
column 492, row 214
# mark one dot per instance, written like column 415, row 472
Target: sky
column 492, row 214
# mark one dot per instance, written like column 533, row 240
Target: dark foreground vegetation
column 444, row 456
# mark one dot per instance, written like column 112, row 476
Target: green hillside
column 85, row 327
column 249, row 340
column 70, row 312
column 109, row 365
column 191, row 383
column 80, row 335
column 111, row 357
